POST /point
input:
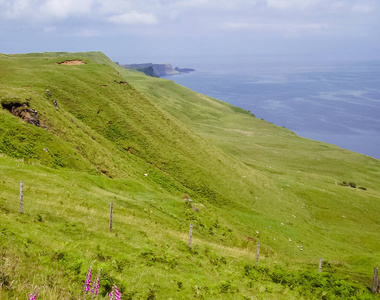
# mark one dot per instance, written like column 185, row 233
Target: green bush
column 163, row 258
column 311, row 284
column 215, row 259
column 226, row 287
column 19, row 144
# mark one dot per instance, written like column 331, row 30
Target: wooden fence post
column 320, row 265
column 375, row 280
column 21, row 196
column 190, row 234
column 257, row 254
column 111, row 211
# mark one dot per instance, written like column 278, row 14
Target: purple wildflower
column 115, row 294
column 95, row 284
column 88, row 279
column 33, row 296
column 118, row 295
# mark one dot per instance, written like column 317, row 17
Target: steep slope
column 111, row 135
column 304, row 178
column 118, row 119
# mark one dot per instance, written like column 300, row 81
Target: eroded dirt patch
column 23, row 111
column 72, row 62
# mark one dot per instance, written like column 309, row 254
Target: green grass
column 291, row 175
column 247, row 177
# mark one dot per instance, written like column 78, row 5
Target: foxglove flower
column 115, row 294
column 88, row 279
column 33, row 296
column 95, row 285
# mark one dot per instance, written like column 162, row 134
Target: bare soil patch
column 72, row 62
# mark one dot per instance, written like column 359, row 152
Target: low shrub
column 311, row 284
column 163, row 258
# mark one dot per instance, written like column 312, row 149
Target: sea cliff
column 158, row 70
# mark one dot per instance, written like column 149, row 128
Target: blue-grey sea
column 334, row 102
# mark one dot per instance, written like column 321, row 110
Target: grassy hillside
column 107, row 134
column 303, row 178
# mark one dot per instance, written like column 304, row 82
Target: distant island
column 157, row 70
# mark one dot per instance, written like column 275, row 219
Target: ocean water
column 337, row 103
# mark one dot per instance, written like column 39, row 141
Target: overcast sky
column 165, row 30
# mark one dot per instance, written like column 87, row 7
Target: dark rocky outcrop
column 23, row 111
column 55, row 104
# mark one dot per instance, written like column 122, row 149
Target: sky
column 135, row 31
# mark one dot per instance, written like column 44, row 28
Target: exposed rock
column 105, row 172
column 27, row 114
column 148, row 71
column 121, row 82
column 186, row 198
column 130, row 150
column 195, row 209
column 55, row 104
column 23, row 111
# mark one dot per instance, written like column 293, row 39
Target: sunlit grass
column 143, row 145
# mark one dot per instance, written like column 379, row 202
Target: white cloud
column 130, row 12
column 65, row 8
column 281, row 27
column 113, row 7
column 14, row 9
column 39, row 10
column 288, row 4
column 189, row 19
column 321, row 6
column 187, row 3
column 149, row 11
column 134, row 18
column 361, row 8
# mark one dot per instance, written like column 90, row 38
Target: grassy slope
column 246, row 175
column 301, row 176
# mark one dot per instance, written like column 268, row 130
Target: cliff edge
column 158, row 70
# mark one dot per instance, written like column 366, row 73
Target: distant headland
column 158, row 70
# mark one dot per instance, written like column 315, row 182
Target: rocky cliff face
column 160, row 70
column 164, row 69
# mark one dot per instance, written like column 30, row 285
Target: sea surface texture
column 335, row 102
